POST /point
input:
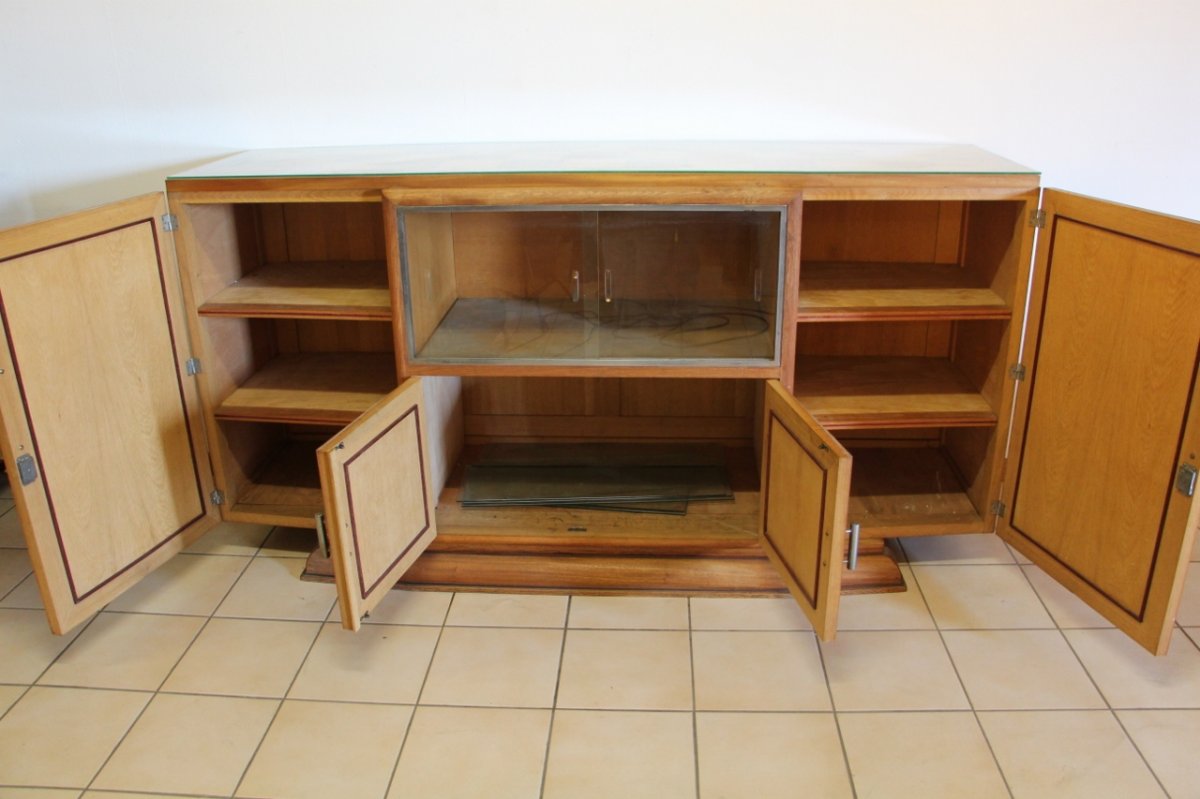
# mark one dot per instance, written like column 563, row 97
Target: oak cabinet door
column 1108, row 418
column 378, row 499
column 102, row 433
column 804, row 500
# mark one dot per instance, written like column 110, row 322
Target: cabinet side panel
column 428, row 256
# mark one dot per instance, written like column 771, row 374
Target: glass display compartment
column 663, row 286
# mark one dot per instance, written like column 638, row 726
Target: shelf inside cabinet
column 855, row 392
column 846, row 292
column 311, row 290
column 286, row 488
column 312, row 388
column 909, row 490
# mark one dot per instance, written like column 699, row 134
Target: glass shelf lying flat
column 312, row 290
column 312, row 388
column 876, row 392
column 836, row 292
column 523, row 330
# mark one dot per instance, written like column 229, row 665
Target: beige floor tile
column 271, row 588
column 126, row 795
column 494, row 667
column 50, row 793
column 316, row 750
column 892, row 670
column 627, row 754
column 981, row 597
column 507, row 610
column 11, row 534
column 1068, row 610
column 27, row 644
column 1130, row 677
column 49, row 722
column 1196, row 548
column 919, row 755
column 8, row 695
column 1189, row 603
column 379, row 663
column 629, row 612
column 979, row 548
column 770, row 756
column 1167, row 739
column 289, row 542
column 407, row 607
column 135, row 651
column 1020, row 669
column 1018, row 557
column 468, row 752
column 186, row 584
column 189, row 744
column 747, row 614
column 754, row 670
column 14, row 567
column 244, row 657
column 1194, row 634
column 901, row 610
column 24, row 595
column 229, row 538
column 627, row 670
column 1067, row 754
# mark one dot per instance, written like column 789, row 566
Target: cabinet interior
column 904, row 321
column 533, row 285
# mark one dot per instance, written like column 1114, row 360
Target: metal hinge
column 27, row 469
column 999, row 508
column 1017, row 370
column 1037, row 219
column 192, row 365
column 1185, row 480
column 170, row 223
column 217, row 497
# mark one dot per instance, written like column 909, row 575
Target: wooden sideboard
column 326, row 338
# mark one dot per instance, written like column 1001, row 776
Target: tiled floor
column 224, row 675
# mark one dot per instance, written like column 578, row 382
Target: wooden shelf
column 285, row 490
column 879, row 392
column 351, row 290
column 849, row 292
column 312, row 388
column 909, row 491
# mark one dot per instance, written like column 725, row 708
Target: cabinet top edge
column 615, row 157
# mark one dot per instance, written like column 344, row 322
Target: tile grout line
column 154, row 695
column 837, row 722
column 695, row 719
column 1103, row 697
column 417, row 702
column 562, row 651
column 961, row 683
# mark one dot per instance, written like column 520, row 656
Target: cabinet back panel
column 321, row 232
column 930, row 339
column 518, row 254
column 994, row 254
column 308, row 335
column 883, row 231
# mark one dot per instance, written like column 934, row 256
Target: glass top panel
column 777, row 157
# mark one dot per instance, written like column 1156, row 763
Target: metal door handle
column 575, row 286
column 608, row 285
column 852, row 552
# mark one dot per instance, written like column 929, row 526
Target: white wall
column 100, row 100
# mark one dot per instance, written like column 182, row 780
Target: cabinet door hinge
column 1017, row 370
column 217, row 497
column 192, row 365
column 170, row 223
column 1037, row 219
column 1186, row 479
column 999, row 508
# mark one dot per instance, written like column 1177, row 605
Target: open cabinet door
column 102, row 431
column 379, row 497
column 1105, row 442
column 805, row 497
